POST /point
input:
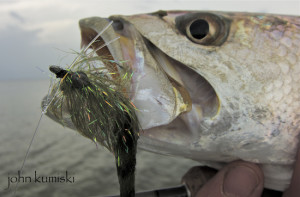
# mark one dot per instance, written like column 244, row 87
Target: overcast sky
column 35, row 33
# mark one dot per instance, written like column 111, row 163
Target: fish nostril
column 118, row 25
column 199, row 29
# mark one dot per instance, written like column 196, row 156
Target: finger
column 196, row 177
column 238, row 179
column 294, row 188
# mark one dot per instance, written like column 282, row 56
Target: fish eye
column 203, row 28
column 198, row 29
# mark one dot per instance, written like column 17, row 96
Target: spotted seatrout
column 212, row 86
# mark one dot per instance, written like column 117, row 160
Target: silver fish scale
column 277, row 69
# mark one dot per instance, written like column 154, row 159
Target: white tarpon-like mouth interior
column 87, row 35
column 201, row 93
column 199, row 89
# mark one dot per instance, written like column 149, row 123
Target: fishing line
column 27, row 152
column 88, row 46
column 99, row 34
column 44, row 110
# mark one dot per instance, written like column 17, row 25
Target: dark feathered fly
column 103, row 115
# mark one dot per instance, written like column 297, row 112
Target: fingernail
column 240, row 181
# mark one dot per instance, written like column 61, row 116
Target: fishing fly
column 95, row 96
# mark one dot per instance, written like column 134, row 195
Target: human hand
column 237, row 179
column 294, row 188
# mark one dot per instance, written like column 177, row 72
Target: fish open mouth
column 198, row 94
column 195, row 99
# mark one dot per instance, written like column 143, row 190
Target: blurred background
column 35, row 34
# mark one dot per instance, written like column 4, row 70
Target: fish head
column 211, row 86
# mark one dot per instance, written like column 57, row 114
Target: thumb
column 294, row 189
column 238, row 179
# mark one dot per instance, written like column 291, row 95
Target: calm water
column 56, row 150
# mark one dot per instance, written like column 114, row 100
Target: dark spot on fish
column 160, row 13
column 275, row 132
column 160, row 103
column 247, row 145
column 260, row 114
column 118, row 25
column 279, row 21
column 223, row 126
